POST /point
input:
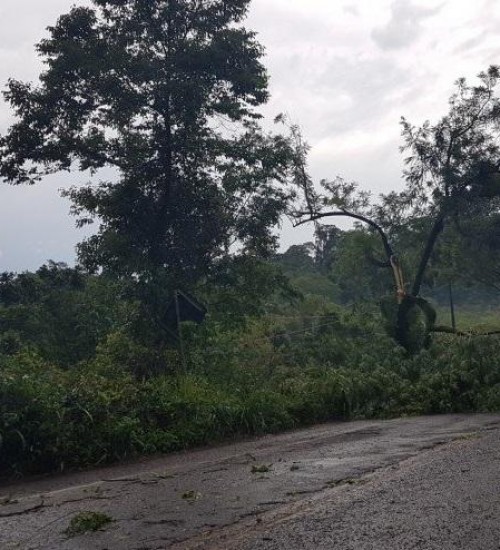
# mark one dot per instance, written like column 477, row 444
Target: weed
column 348, row 481
column 87, row 522
column 261, row 469
column 468, row 437
column 191, row 496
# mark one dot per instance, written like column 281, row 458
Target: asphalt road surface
column 417, row 483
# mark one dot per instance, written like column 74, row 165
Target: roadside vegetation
column 96, row 394
column 181, row 324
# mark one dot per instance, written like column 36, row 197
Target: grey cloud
column 279, row 26
column 404, row 26
column 339, row 96
column 489, row 23
column 29, row 21
column 34, row 227
column 35, row 224
column 370, row 85
column 325, row 90
column 351, row 10
column 469, row 45
column 376, row 170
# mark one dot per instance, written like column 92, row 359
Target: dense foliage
column 78, row 388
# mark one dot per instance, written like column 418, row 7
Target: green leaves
column 455, row 160
column 59, row 312
column 165, row 93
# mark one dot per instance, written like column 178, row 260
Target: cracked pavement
column 280, row 491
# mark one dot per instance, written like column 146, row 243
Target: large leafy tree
column 452, row 179
column 165, row 92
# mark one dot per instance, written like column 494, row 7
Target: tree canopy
column 165, row 92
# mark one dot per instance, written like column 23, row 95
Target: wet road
column 429, row 482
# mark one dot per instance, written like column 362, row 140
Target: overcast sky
column 345, row 70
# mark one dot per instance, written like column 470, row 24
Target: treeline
column 342, row 266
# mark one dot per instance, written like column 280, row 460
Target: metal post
column 179, row 331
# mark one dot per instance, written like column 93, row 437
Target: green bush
column 264, row 376
column 51, row 418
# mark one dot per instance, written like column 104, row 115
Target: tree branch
column 437, row 229
column 344, row 213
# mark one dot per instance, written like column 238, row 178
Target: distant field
column 475, row 319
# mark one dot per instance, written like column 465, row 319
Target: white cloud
column 404, row 26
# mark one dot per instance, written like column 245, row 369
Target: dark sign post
column 183, row 307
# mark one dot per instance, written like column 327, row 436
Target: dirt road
column 426, row 483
